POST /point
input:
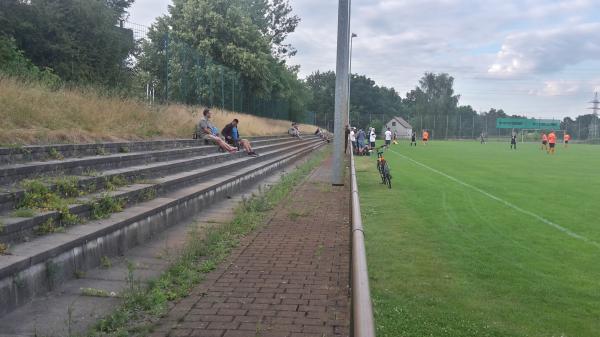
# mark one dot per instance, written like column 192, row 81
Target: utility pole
column 595, row 108
column 350, row 72
column 341, row 91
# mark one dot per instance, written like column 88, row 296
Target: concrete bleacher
column 167, row 182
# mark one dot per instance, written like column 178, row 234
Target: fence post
column 222, row 89
column 167, row 68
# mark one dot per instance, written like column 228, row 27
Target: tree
column 78, row 39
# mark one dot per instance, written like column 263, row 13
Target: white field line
column 506, row 203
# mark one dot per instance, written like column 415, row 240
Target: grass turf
column 446, row 259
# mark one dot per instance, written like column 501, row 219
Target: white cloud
column 547, row 51
column 559, row 88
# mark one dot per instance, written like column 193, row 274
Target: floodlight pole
column 341, row 91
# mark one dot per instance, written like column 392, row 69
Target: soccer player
column 567, row 139
column 388, row 138
column 481, row 139
column 551, row 142
column 425, row 137
column 544, row 141
column 513, row 141
column 413, row 139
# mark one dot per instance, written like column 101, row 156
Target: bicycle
column 383, row 168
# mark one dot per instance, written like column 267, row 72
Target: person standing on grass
column 567, row 138
column 372, row 138
column 481, row 138
column 413, row 138
column 232, row 137
column 552, row 142
column 353, row 139
column 388, row 138
column 425, row 137
column 544, row 141
column 513, row 141
column 360, row 140
column 209, row 133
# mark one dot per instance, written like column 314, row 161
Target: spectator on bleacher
column 210, row 134
column 294, row 131
column 232, row 137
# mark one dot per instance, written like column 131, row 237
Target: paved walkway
column 290, row 279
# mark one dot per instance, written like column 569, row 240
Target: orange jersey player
column 425, row 137
column 544, row 141
column 552, row 142
column 567, row 138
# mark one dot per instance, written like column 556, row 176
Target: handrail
column 363, row 324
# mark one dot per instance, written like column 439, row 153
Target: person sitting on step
column 232, row 137
column 209, row 133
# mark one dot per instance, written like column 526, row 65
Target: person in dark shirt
column 232, row 136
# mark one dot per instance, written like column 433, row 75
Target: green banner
column 527, row 123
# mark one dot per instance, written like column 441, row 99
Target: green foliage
column 106, row 205
column 54, row 154
column 39, row 196
column 105, row 262
column 23, row 213
column 78, row 39
column 114, row 182
column 148, row 194
column 67, row 186
column 50, row 226
column 124, row 149
column 101, row 151
column 3, row 249
column 13, row 62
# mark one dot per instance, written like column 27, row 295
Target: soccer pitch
column 479, row 240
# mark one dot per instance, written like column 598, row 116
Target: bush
column 14, row 63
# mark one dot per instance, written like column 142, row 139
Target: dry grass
column 31, row 114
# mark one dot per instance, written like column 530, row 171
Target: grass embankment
column 445, row 259
column 33, row 114
column 204, row 251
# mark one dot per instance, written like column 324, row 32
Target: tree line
column 229, row 53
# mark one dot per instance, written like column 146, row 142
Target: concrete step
column 38, row 266
column 13, row 173
column 10, row 199
column 23, row 229
column 22, row 154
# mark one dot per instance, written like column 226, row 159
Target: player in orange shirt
column 552, row 142
column 425, row 137
column 544, row 141
column 567, row 138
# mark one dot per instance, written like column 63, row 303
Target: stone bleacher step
column 21, row 154
column 34, row 267
column 15, row 172
column 22, row 229
column 9, row 200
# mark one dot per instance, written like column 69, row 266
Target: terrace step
column 35, row 267
column 22, row 154
column 10, row 199
column 12, row 173
column 22, row 229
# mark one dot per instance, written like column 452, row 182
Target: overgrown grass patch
column 143, row 305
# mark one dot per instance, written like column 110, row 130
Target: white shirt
column 372, row 137
column 352, row 136
column 388, row 135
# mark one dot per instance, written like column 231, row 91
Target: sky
column 538, row 58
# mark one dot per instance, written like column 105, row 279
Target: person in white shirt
column 353, row 138
column 388, row 138
column 372, row 138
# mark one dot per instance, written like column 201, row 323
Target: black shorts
column 544, row 142
column 424, row 139
column 566, row 142
column 372, row 144
column 552, row 145
column 388, row 142
column 413, row 140
column 513, row 142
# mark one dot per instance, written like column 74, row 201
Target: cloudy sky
column 540, row 58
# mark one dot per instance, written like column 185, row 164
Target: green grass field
column 479, row 240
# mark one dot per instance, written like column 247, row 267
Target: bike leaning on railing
column 383, row 168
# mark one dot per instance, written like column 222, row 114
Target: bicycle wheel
column 388, row 176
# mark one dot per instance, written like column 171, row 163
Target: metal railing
column 363, row 324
